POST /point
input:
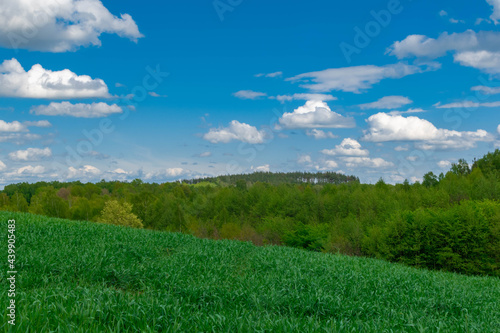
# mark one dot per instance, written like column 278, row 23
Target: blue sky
column 170, row 90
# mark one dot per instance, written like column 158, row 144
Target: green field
column 89, row 277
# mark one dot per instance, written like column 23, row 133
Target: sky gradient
column 173, row 90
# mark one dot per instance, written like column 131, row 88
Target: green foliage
column 119, row 214
column 463, row 239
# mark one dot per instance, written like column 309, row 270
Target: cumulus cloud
column 357, row 78
column 205, row 154
column 387, row 102
column 348, row 147
column 165, row 174
column 46, row 84
column 480, row 50
column 498, row 129
column 467, row 104
column 30, row 154
column 60, row 25
column 304, row 159
column 315, row 114
column 366, row 162
column 14, row 126
column 262, row 168
column 249, row 94
column 2, row 166
column 94, row 110
column 319, row 134
column 29, row 170
column 236, row 131
column 304, row 97
column 87, row 171
column 384, row 127
column 486, row 61
column 423, row 46
column 444, row 164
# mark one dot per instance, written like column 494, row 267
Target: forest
column 446, row 222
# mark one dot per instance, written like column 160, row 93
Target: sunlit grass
column 89, row 277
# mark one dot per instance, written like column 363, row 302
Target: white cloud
column 94, row 110
column 480, row 50
column 14, row 126
column 206, row 154
column 30, row 154
column 401, row 148
column 387, row 102
column 486, row 61
column 384, row 127
column 331, row 164
column 348, row 147
column 443, row 13
column 366, row 162
column 304, row 97
column 120, row 171
column 397, row 113
column 315, row 114
column 319, row 134
column 495, row 16
column 444, row 164
column 262, row 168
column 304, row 159
column 275, row 74
column 487, row 90
column 236, row 131
column 467, row 104
column 60, row 25
column 19, row 138
column 42, row 83
column 85, row 172
column 423, row 46
column 30, row 170
column 249, row 94
column 153, row 94
column 455, row 21
column 498, row 129
column 168, row 173
column 39, row 123
column 2, row 166
column 357, row 78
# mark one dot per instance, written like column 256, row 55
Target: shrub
column 119, row 214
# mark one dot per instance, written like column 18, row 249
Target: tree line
column 446, row 222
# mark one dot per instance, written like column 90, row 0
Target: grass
column 88, row 277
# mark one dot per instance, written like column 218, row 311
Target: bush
column 463, row 239
column 119, row 214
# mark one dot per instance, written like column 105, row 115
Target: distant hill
column 276, row 178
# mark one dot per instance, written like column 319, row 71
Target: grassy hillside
column 89, row 277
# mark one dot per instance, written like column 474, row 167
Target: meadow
column 76, row 276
